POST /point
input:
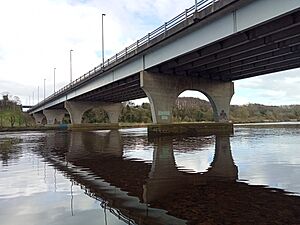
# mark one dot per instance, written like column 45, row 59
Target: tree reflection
column 8, row 150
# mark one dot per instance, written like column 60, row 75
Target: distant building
column 6, row 104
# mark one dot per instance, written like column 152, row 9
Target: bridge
column 205, row 48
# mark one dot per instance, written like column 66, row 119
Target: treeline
column 262, row 113
column 130, row 114
column 15, row 118
column 11, row 114
column 188, row 109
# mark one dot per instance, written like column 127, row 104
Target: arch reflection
column 165, row 177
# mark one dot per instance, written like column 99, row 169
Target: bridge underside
column 270, row 47
column 118, row 91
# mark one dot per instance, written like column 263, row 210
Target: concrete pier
column 163, row 90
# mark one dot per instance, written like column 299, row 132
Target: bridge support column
column 38, row 117
column 113, row 111
column 77, row 109
column 54, row 116
column 162, row 95
column 163, row 90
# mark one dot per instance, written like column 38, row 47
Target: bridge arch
column 95, row 115
column 76, row 110
column 198, row 99
column 163, row 90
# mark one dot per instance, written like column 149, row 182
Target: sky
column 37, row 36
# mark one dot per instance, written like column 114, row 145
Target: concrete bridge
column 205, row 48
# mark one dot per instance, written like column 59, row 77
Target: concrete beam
column 163, row 90
column 54, row 116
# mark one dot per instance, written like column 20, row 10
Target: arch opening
column 95, row 115
column 193, row 106
column 44, row 121
column 137, row 111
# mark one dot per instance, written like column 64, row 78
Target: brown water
column 121, row 177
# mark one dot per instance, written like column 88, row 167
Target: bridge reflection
column 165, row 178
column 161, row 193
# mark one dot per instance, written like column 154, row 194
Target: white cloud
column 280, row 88
column 239, row 100
column 36, row 36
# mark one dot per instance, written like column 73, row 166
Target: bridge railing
column 133, row 49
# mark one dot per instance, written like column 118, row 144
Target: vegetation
column 189, row 109
column 11, row 114
column 262, row 113
column 14, row 118
column 186, row 109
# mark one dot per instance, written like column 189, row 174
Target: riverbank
column 269, row 124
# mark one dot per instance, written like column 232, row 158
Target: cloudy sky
column 37, row 35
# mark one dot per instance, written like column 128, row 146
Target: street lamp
column 71, row 65
column 38, row 94
column 54, row 79
column 44, row 88
column 102, row 41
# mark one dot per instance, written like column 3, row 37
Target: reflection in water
column 159, row 192
column 7, row 152
column 72, row 198
column 165, row 178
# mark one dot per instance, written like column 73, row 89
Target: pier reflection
column 165, row 178
column 161, row 193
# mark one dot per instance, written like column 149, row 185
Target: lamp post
column 38, row 95
column 102, row 41
column 71, row 65
column 44, row 88
column 54, row 78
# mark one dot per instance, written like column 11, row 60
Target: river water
column 122, row 177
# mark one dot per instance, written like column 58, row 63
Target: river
column 122, row 177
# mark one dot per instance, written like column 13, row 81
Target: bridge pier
column 77, row 109
column 38, row 117
column 113, row 111
column 163, row 90
column 54, row 116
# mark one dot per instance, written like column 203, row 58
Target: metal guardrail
column 133, row 49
